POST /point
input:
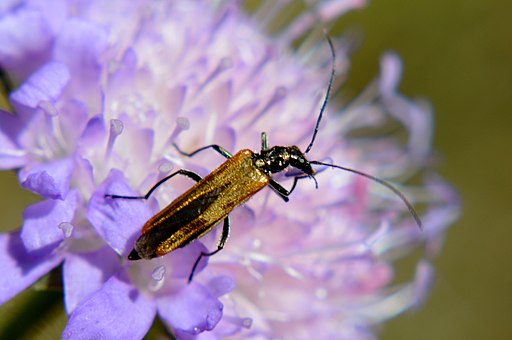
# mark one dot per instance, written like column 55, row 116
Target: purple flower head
column 104, row 90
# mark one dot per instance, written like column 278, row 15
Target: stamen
column 48, row 108
column 182, row 124
column 321, row 293
column 261, row 258
column 116, row 128
column 52, row 142
column 158, row 273
column 238, row 321
column 225, row 64
column 257, row 68
column 423, row 280
column 279, row 94
column 158, row 278
column 377, row 235
column 13, row 153
column 246, row 323
column 67, row 229
column 164, row 168
column 267, row 12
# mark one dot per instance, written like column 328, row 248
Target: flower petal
column 391, row 72
column 41, row 221
column 55, row 14
column 85, row 273
column 116, row 311
column 11, row 155
column 50, row 180
column 45, row 85
column 93, row 135
column 21, row 268
column 73, row 121
column 118, row 221
column 7, row 5
column 79, row 45
column 24, row 36
column 192, row 310
column 221, row 285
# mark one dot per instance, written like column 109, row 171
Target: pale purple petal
column 10, row 126
column 424, row 278
column 25, row 37
column 79, row 45
column 192, row 310
column 73, row 121
column 45, row 85
column 230, row 325
column 123, row 79
column 20, row 268
column 181, row 260
column 418, row 119
column 324, row 11
column 84, row 273
column 11, row 154
column 416, row 116
column 7, row 5
column 330, row 10
column 138, row 140
column 118, row 221
column 50, row 180
column 93, row 135
column 221, row 285
column 116, row 311
column 41, row 221
column 202, row 336
column 54, row 12
column 85, row 171
column 391, row 73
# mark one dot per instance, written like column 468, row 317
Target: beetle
column 197, row 211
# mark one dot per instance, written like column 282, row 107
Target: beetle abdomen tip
column 134, row 255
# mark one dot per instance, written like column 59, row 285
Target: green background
column 458, row 54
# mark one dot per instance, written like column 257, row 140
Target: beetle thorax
column 278, row 158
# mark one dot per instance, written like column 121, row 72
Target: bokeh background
column 458, row 54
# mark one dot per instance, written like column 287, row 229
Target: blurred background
column 458, row 55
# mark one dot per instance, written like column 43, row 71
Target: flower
column 106, row 88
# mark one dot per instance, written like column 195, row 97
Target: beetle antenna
column 326, row 98
column 382, row 182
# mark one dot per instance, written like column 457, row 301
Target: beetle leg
column 224, row 237
column 281, row 191
column 278, row 189
column 183, row 172
column 215, row 147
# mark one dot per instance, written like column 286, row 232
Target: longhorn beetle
column 197, row 211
